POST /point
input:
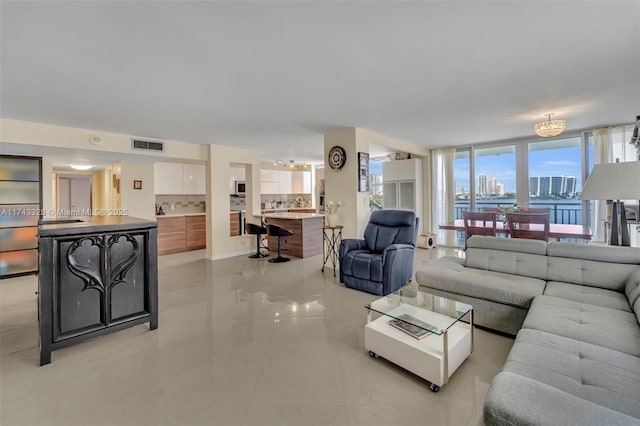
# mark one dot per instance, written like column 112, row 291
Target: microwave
column 240, row 187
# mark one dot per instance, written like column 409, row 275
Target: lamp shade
column 613, row 181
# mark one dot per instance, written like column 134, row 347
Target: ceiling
column 276, row 76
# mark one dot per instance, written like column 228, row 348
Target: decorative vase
column 332, row 219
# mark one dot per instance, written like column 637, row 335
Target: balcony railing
column 566, row 212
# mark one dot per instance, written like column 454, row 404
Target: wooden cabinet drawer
column 196, row 223
column 172, row 234
column 196, row 239
column 173, row 242
column 171, row 224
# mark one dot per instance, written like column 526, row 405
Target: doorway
column 73, row 195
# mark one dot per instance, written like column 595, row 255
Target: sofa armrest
column 397, row 266
column 394, row 248
column 351, row 244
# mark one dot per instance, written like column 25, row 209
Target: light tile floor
column 240, row 342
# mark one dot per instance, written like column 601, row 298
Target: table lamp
column 614, row 181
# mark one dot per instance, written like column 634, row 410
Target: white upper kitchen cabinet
column 168, row 178
column 286, row 183
column 194, row 178
column 301, row 182
column 179, row 179
column 269, row 181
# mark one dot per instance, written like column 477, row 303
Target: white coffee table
column 435, row 358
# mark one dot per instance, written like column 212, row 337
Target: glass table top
column 425, row 311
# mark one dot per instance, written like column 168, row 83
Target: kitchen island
column 98, row 275
column 307, row 232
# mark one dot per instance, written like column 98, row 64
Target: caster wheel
column 372, row 354
column 434, row 388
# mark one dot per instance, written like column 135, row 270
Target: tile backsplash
column 285, row 200
column 237, row 203
column 181, row 203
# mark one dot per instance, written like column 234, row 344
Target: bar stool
column 277, row 231
column 258, row 231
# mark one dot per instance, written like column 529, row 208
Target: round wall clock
column 337, row 157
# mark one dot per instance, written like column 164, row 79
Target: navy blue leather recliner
column 382, row 262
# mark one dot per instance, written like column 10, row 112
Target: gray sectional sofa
column 575, row 309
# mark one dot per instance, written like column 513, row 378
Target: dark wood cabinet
column 95, row 283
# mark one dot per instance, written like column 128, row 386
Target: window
column 375, row 182
column 495, row 176
column 555, row 178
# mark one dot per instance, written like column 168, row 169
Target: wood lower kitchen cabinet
column 196, row 232
column 307, row 233
column 172, row 234
column 235, row 218
column 181, row 233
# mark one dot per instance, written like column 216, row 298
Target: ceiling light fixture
column 550, row 127
column 290, row 164
column 81, row 167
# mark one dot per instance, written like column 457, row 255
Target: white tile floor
column 240, row 342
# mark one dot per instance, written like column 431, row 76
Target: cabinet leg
column 153, row 323
column 45, row 355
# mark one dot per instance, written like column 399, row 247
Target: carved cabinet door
column 78, row 286
column 99, row 281
column 126, row 295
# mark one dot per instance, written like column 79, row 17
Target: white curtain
column 610, row 144
column 603, row 153
column 442, row 193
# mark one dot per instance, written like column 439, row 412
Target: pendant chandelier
column 550, row 127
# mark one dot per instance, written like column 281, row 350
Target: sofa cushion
column 598, row 253
column 508, row 289
column 595, row 373
column 363, row 264
column 517, row 400
column 606, row 327
column 508, row 244
column 592, row 265
column 632, row 287
column 589, row 295
column 636, row 309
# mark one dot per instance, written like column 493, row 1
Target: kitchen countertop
column 90, row 224
column 291, row 215
column 180, row 214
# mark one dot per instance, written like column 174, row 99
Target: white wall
column 343, row 185
column 138, row 202
column 29, row 133
column 219, row 243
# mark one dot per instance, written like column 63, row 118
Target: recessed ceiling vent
column 147, row 145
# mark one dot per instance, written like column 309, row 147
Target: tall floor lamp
column 614, row 181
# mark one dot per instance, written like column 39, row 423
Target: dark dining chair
column 478, row 223
column 533, row 226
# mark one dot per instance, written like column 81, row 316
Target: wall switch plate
column 172, row 206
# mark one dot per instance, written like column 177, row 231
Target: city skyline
column 542, row 163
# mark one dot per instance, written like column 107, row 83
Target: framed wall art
column 363, row 172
